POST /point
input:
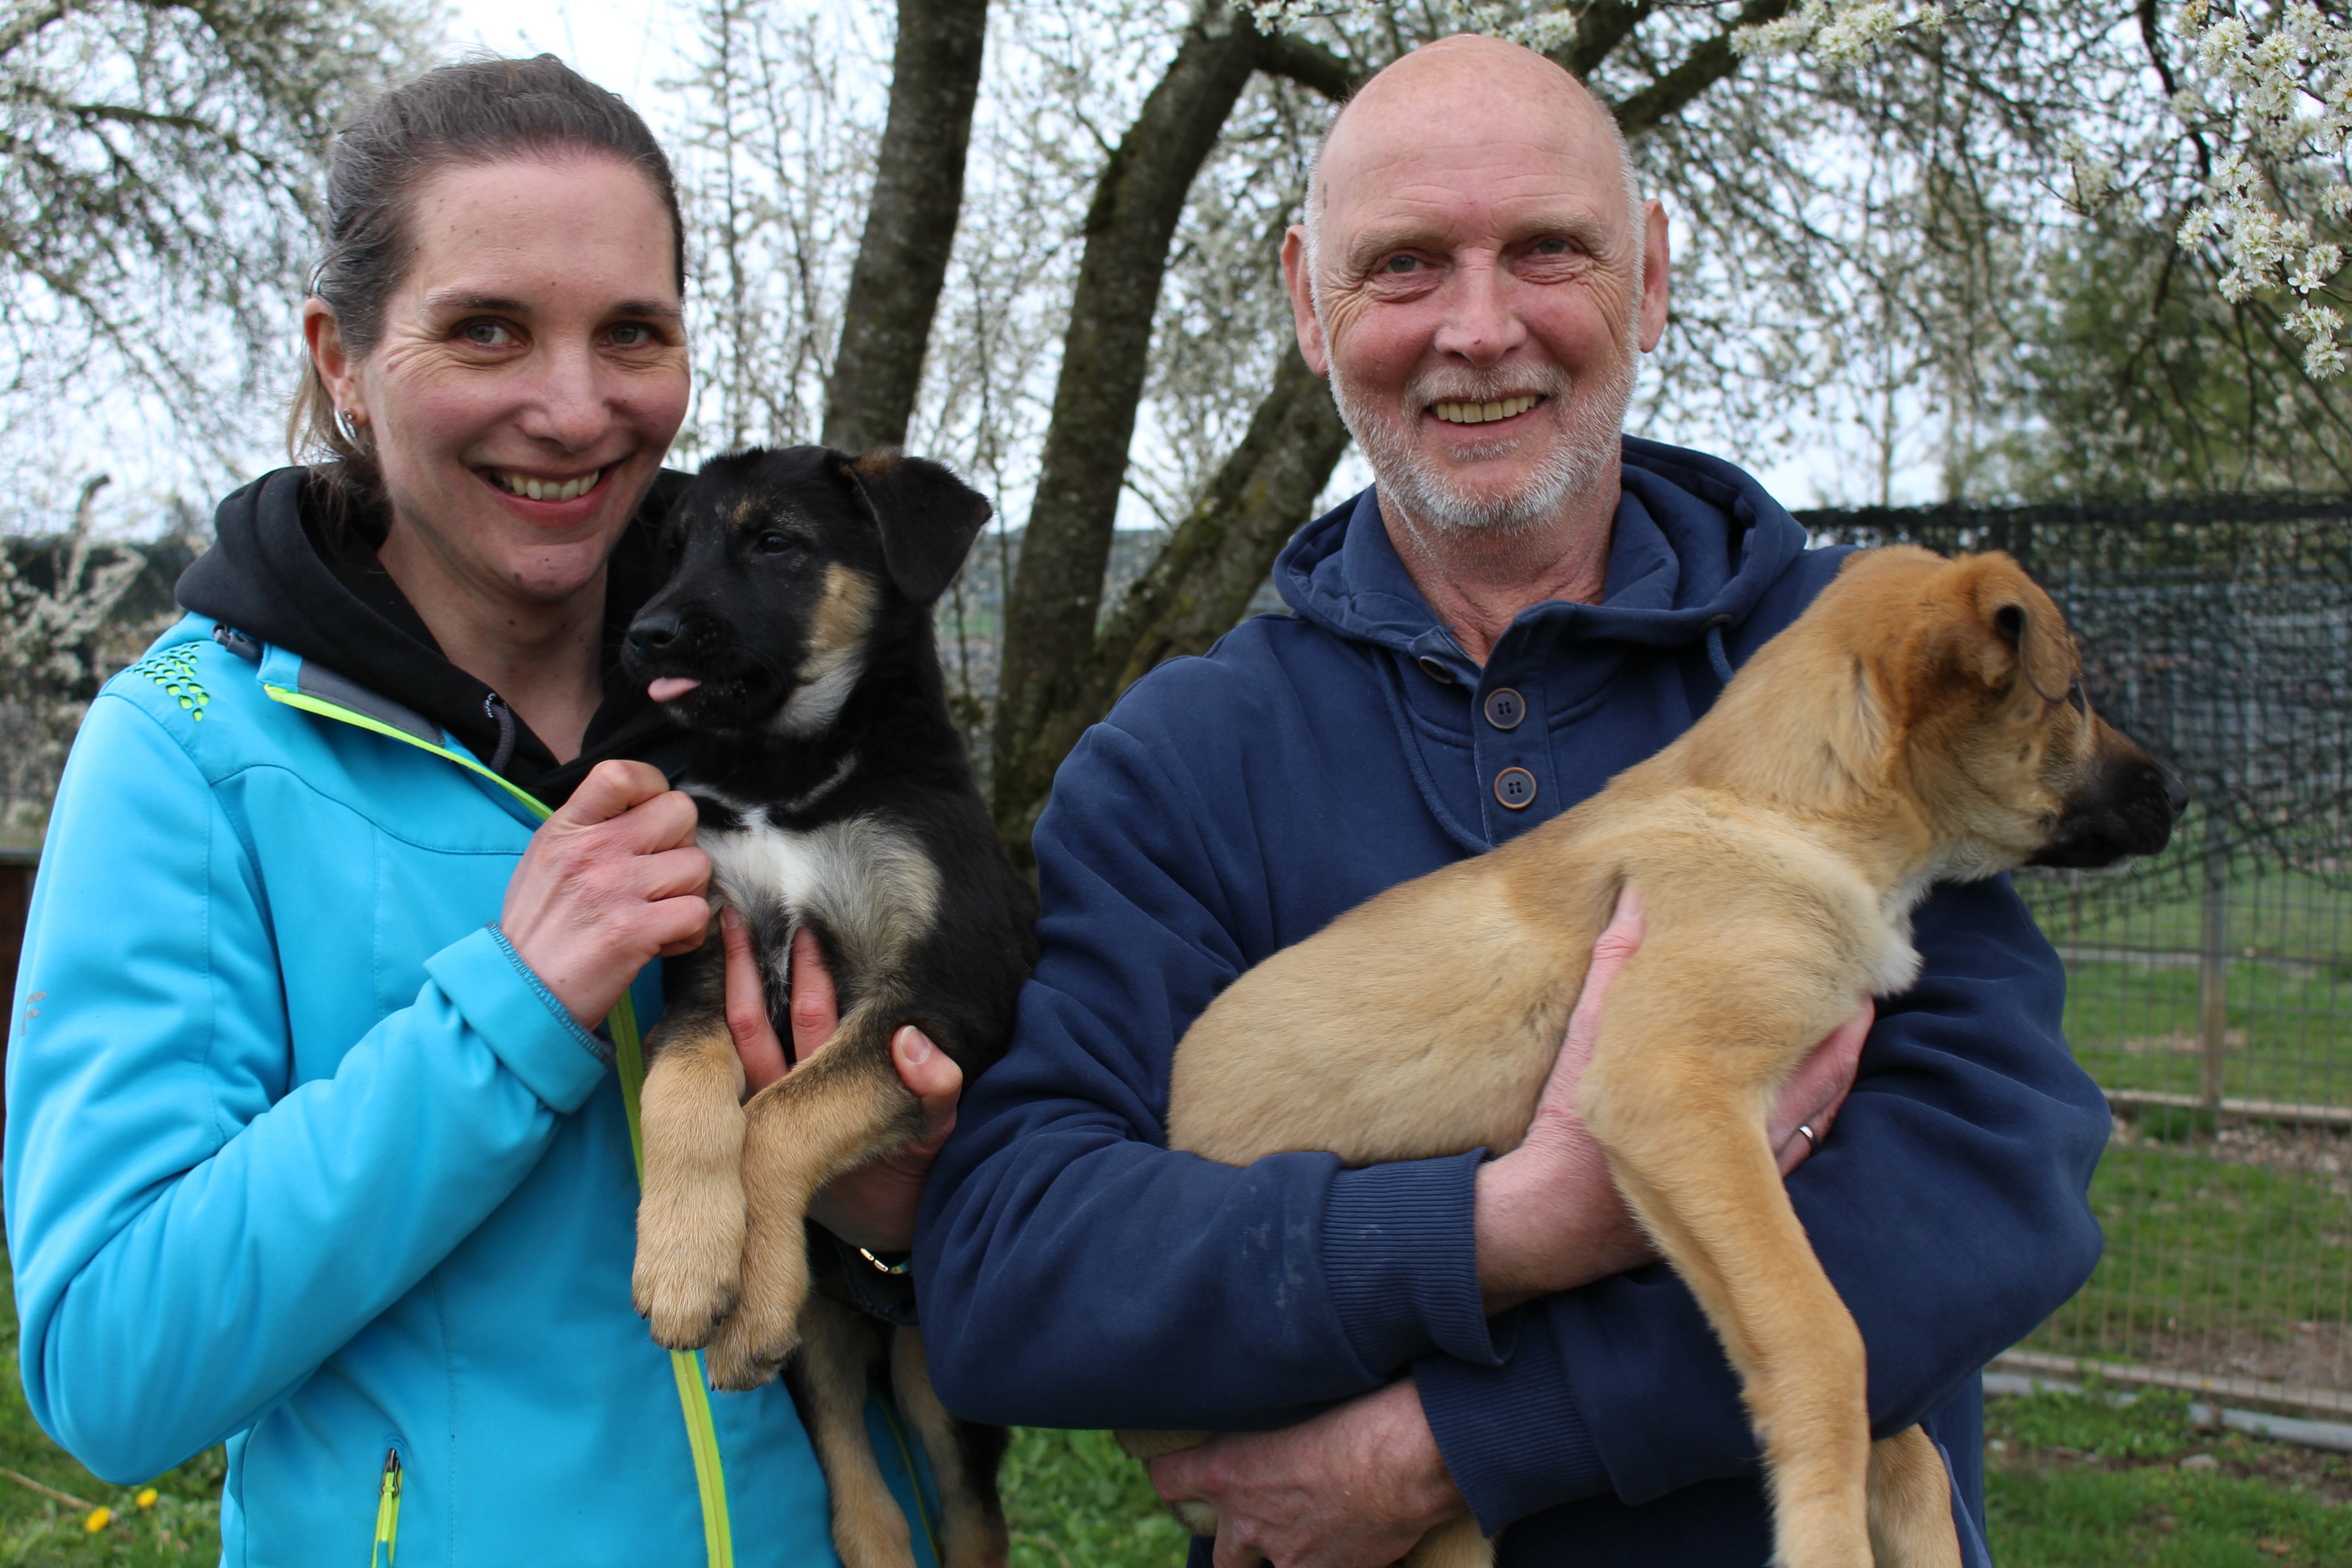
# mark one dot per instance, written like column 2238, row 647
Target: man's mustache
column 1465, row 385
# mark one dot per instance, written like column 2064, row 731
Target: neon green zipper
column 388, row 1513
column 629, row 1061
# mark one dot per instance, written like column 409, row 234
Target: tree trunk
column 1204, row 578
column 1049, row 616
column 910, row 224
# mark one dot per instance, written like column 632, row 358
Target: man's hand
column 872, row 1206
column 1548, row 1216
column 609, row 883
column 1355, row 1488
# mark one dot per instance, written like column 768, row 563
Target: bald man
column 1525, row 602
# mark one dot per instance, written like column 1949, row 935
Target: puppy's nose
column 2175, row 795
column 650, row 634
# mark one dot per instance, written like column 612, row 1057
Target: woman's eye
column 486, row 334
column 774, row 543
column 631, row 335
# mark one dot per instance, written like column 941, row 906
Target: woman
column 314, row 1142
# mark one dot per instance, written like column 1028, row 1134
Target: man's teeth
column 546, row 490
column 1480, row 413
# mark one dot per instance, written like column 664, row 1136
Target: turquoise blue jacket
column 300, row 1155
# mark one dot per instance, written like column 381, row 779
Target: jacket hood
column 274, row 572
column 1695, row 545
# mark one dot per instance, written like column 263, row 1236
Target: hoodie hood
column 275, row 573
column 1696, row 544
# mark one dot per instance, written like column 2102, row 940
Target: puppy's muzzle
column 2127, row 809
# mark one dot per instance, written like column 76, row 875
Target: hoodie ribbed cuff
column 1512, row 1433
column 1401, row 1255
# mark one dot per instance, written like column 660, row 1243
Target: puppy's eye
column 774, row 542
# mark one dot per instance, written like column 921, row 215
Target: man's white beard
column 1580, row 457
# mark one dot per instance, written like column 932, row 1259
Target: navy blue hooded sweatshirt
column 1073, row 1272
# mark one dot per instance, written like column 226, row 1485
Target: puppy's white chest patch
column 867, row 881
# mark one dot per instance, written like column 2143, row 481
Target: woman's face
column 531, row 371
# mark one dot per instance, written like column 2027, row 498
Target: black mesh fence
column 2210, row 987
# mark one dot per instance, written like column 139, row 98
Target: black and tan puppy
column 794, row 641
column 1922, row 721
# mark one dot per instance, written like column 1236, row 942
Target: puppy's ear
column 928, row 517
column 2030, row 640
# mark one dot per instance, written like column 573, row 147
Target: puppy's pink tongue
column 670, row 687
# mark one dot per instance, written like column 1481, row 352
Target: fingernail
column 729, row 919
column 917, row 1046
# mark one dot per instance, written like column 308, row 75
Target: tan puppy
column 1921, row 722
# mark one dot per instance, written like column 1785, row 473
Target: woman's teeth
column 533, row 489
column 1480, row 413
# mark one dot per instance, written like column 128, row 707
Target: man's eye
column 486, row 334
column 774, row 542
column 1400, row 264
column 1554, row 246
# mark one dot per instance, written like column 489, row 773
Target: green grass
column 179, row 1527
column 2287, row 1031
column 2201, row 1246
column 1074, row 1500
column 2072, row 1481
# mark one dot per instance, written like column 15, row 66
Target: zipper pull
column 387, row 1511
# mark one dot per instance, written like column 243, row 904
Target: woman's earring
column 349, row 424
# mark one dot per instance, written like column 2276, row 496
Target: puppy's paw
column 739, row 1358
column 752, row 1345
column 688, row 1273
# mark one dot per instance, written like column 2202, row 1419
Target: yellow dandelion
column 100, row 1518
column 146, row 1498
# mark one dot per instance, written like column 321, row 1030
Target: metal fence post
column 2213, row 957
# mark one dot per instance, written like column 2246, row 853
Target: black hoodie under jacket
column 276, row 572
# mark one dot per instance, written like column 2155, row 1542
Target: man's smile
column 1484, row 412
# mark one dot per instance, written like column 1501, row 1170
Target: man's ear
column 928, row 517
column 1301, row 289
column 1657, row 274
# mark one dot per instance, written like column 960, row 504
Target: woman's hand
column 872, row 1206
column 1549, row 1218
column 611, row 882
column 1356, row 1487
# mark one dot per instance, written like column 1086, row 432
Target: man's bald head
column 1478, row 279
column 1472, row 82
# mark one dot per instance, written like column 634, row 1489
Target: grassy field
column 2071, row 1482
column 2074, row 1482
column 2228, row 1246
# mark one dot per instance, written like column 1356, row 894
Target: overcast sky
column 628, row 45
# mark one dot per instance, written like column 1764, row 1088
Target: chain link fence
column 2209, row 987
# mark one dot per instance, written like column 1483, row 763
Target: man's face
column 1478, row 291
